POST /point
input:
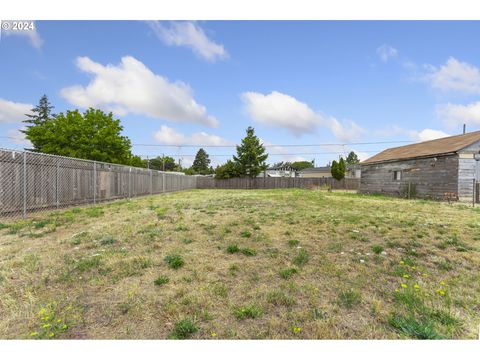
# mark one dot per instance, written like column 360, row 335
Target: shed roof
column 441, row 146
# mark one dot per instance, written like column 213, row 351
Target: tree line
column 96, row 135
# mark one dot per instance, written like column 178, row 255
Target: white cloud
column 18, row 137
column 32, row 34
column 189, row 34
column 11, row 112
column 455, row 75
column 454, row 115
column 427, row 134
column 131, row 87
column 386, row 52
column 281, row 110
column 415, row 135
column 168, row 136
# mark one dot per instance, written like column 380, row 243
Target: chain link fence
column 32, row 182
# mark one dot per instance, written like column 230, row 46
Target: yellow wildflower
column 46, row 326
column 404, row 285
column 402, row 262
column 416, row 286
column 440, row 292
column 34, row 333
column 406, row 276
column 214, row 334
column 42, row 311
column 413, row 267
column 442, row 283
column 51, row 334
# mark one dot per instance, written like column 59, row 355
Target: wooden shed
column 446, row 168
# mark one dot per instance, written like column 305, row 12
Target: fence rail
column 277, row 183
column 31, row 182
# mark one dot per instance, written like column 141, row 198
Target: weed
column 301, row 258
column 184, row 329
column 377, row 249
column 161, row 280
column 174, row 261
column 248, row 252
column 293, row 243
column 349, row 298
column 233, row 248
column 247, row 312
column 108, row 241
column 287, row 273
column 245, row 234
column 279, row 298
column 411, row 327
column 94, row 212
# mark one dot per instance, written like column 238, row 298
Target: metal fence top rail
column 89, row 161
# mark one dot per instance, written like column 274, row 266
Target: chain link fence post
column 24, row 184
column 94, row 182
column 57, row 200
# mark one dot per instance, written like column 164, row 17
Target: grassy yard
column 234, row 264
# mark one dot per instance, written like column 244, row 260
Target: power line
column 282, row 145
column 272, row 145
column 270, row 154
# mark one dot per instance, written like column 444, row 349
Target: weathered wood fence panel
column 277, row 183
column 33, row 182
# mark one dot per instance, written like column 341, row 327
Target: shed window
column 397, row 175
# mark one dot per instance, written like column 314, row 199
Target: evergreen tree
column 338, row 169
column 352, row 158
column 201, row 163
column 251, row 155
column 40, row 114
column 227, row 170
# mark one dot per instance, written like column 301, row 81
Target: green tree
column 300, row 165
column 352, row 158
column 201, row 163
column 40, row 113
column 157, row 163
column 338, row 169
column 251, row 155
column 227, row 170
column 93, row 135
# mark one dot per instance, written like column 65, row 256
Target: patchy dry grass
column 244, row 264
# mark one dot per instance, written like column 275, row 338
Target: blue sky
column 296, row 82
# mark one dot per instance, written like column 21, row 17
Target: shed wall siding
column 431, row 178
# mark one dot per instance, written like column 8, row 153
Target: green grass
column 176, row 265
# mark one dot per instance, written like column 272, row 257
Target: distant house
column 279, row 171
column 437, row 169
column 353, row 171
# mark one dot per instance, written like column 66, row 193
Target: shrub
column 174, row 261
column 94, row 212
column 287, row 273
column 301, row 258
column 161, row 280
column 184, row 329
column 249, row 311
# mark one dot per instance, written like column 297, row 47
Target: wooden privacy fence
column 277, row 183
column 33, row 182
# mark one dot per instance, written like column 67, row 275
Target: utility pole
column 148, row 163
column 163, row 162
